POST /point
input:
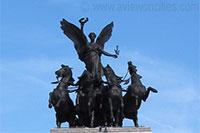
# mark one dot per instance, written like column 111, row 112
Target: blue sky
column 160, row 37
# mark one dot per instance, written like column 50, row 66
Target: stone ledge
column 96, row 130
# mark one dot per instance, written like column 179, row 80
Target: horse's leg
column 72, row 119
column 111, row 110
column 50, row 101
column 81, row 122
column 121, row 112
column 58, row 103
column 135, row 119
column 61, row 97
column 92, row 119
column 144, row 98
column 104, row 114
column 58, row 124
column 117, row 117
column 90, row 111
column 77, row 102
column 58, row 120
column 72, row 122
column 93, row 112
column 153, row 90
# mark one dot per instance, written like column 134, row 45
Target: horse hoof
column 153, row 90
column 106, row 129
column 100, row 128
column 59, row 125
column 50, row 106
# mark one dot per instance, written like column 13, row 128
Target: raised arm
column 82, row 21
column 108, row 54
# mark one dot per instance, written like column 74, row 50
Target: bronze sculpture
column 98, row 102
column 60, row 100
column 85, row 101
column 113, row 98
column 89, row 52
column 136, row 92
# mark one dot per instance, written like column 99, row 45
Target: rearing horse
column 60, row 100
column 136, row 92
column 113, row 98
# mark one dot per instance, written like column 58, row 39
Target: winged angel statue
column 89, row 52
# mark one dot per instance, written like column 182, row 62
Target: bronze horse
column 60, row 100
column 86, row 101
column 136, row 92
column 113, row 102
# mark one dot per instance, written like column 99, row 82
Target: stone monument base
column 96, row 130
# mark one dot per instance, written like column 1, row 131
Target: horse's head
column 50, row 100
column 111, row 77
column 132, row 68
column 63, row 71
column 108, row 71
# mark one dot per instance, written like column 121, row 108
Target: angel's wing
column 76, row 35
column 105, row 35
